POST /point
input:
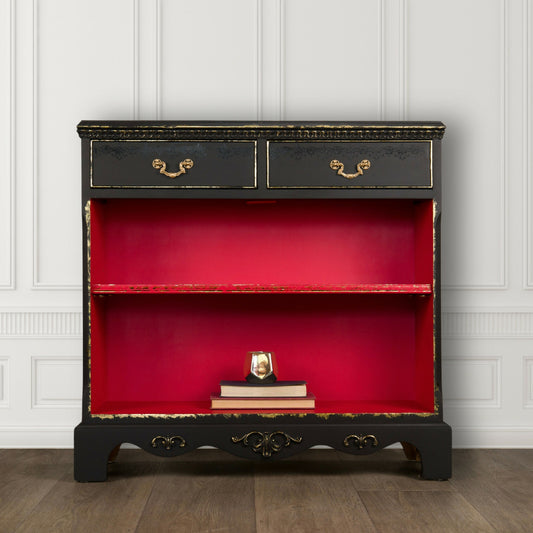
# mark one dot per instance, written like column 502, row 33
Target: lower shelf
column 169, row 409
column 174, row 349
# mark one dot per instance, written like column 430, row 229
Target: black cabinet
column 204, row 241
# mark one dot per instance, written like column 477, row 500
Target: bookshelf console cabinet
column 319, row 242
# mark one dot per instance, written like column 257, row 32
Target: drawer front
column 350, row 164
column 173, row 164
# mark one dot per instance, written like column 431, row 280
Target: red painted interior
column 166, row 353
column 286, row 242
column 176, row 348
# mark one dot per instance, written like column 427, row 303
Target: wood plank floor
column 317, row 491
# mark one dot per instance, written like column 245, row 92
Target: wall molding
column 37, row 284
column 37, row 436
column 9, row 282
column 402, row 60
column 258, row 60
column 527, row 138
column 43, row 400
column 135, row 68
column 282, row 60
column 65, row 324
column 492, row 437
column 4, row 382
column 381, row 59
column 485, row 324
column 502, row 283
column 157, row 61
column 528, row 381
column 481, row 324
column 492, row 362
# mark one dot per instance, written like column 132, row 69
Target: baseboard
column 492, row 437
column 463, row 437
column 37, row 437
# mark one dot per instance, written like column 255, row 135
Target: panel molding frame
column 10, row 282
column 528, row 381
column 402, row 60
column 282, row 59
column 36, row 283
column 495, row 362
column 158, row 36
column 4, row 382
column 527, row 136
column 502, row 283
column 52, row 403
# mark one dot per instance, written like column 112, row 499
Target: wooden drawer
column 350, row 164
column 173, row 164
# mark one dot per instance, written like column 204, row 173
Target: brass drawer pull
column 184, row 165
column 339, row 167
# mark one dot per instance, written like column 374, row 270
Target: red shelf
column 195, row 288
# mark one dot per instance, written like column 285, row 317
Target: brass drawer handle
column 184, row 165
column 339, row 167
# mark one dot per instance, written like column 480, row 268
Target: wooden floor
column 317, row 491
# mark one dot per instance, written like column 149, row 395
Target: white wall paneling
column 463, row 78
column 528, row 381
column 7, row 144
column 4, row 381
column 465, row 63
column 271, row 61
column 393, row 61
column 487, row 323
column 56, row 381
column 209, row 59
column 83, row 67
column 331, row 60
column 472, row 381
column 527, row 140
column 29, row 324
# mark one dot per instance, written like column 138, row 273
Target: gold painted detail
column 184, row 165
column 267, row 443
column 361, row 441
column 339, row 167
column 87, row 212
column 168, row 442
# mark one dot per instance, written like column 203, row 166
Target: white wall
column 465, row 62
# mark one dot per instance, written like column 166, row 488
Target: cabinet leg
column 410, row 451
column 91, row 453
column 113, row 455
column 436, row 455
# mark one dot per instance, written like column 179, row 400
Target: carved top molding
column 333, row 131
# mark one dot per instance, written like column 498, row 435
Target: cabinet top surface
column 267, row 129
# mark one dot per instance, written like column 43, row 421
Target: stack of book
column 278, row 395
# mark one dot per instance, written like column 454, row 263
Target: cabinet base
column 94, row 444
